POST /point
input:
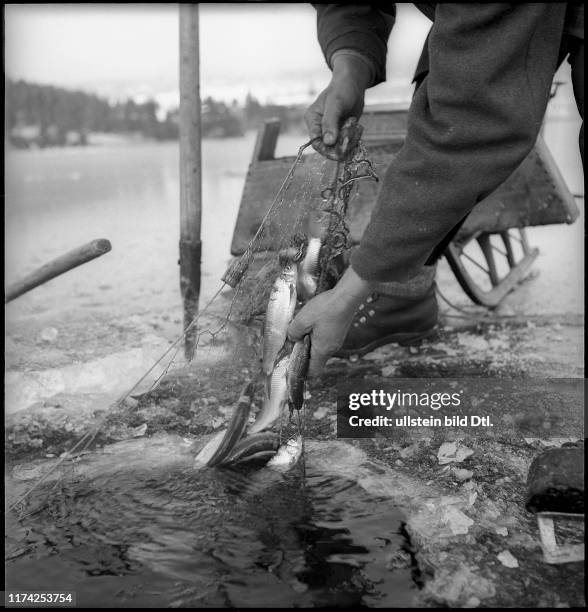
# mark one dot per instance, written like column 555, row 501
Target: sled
column 490, row 254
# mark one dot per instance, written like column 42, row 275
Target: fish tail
column 236, row 426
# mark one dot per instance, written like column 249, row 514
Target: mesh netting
column 229, row 328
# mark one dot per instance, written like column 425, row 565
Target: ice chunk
column 110, row 375
column 507, row 559
column 453, row 452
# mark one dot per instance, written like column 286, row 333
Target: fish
column 210, row 448
column 296, row 373
column 260, row 456
column 253, row 447
column 221, row 445
column 287, row 455
column 279, row 313
column 276, row 397
column 308, row 268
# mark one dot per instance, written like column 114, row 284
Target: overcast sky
column 120, row 50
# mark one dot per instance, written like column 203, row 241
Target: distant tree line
column 291, row 117
column 44, row 115
column 47, row 116
column 220, row 119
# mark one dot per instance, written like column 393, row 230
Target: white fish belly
column 275, row 404
column 287, row 455
column 279, row 313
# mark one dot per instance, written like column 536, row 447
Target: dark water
column 184, row 538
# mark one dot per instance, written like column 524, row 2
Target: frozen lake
column 58, row 199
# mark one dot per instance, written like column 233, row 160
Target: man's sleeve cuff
column 371, row 267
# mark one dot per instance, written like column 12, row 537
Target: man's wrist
column 350, row 63
column 352, row 288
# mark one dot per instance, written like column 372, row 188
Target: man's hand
column 343, row 98
column 327, row 318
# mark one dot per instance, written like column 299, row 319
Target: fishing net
column 316, row 205
column 228, row 329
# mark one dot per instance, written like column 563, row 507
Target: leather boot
column 384, row 319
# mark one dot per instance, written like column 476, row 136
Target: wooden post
column 190, row 171
column 267, row 139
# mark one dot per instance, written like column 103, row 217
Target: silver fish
column 297, row 371
column 276, row 397
column 280, row 310
column 253, row 447
column 260, row 456
column 222, row 444
column 308, row 268
column 287, row 455
column 210, row 448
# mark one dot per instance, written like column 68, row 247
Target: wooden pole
column 190, row 171
column 57, row 266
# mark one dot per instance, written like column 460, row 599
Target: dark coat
column 472, row 121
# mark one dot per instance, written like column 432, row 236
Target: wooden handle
column 58, row 266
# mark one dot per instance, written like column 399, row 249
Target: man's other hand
column 327, row 318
